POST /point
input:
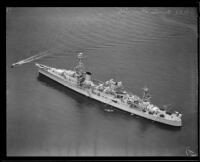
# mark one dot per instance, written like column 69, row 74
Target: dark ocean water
column 137, row 46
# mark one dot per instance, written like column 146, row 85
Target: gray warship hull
column 109, row 101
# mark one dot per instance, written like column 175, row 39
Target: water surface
column 131, row 45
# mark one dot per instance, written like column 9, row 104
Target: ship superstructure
column 110, row 92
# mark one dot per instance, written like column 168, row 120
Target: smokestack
column 88, row 76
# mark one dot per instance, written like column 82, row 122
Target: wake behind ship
column 110, row 92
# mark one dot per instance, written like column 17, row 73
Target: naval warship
column 110, row 92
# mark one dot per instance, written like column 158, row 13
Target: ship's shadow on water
column 107, row 110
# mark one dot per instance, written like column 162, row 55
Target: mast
column 80, row 68
column 146, row 95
